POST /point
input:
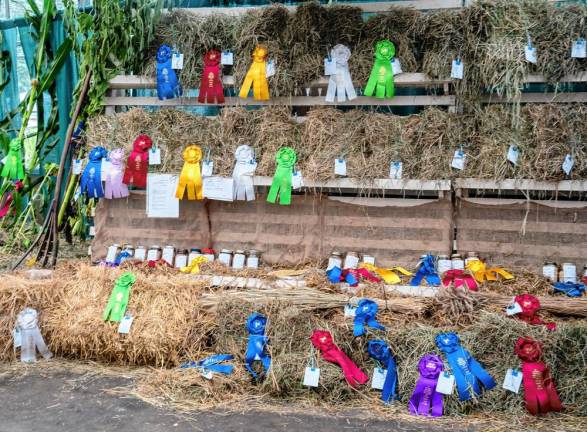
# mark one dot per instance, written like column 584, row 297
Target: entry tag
column 513, row 154
column 513, row 380
column 177, row 61
column 207, row 168
column 207, row 373
column 446, row 383
column 396, row 170
column 105, row 168
column 227, row 58
column 270, row 69
column 350, row 311
column 16, row 338
column 457, row 70
column 77, row 167
column 378, row 379
column 340, row 167
column 3, row 162
column 125, row 323
column 568, row 164
column 297, row 180
column 93, row 231
column 329, row 66
column 458, row 160
column 155, row 156
column 579, row 49
column 396, row 66
column 513, row 309
column 311, row 376
column 530, row 54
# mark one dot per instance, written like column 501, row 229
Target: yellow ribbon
column 388, row 275
column 190, row 178
column 481, row 273
column 257, row 76
column 194, row 266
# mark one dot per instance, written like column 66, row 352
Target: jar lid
column 569, row 264
column 336, row 253
column 471, row 254
column 252, row 252
column 155, row 247
column 455, row 256
column 367, row 255
column 208, row 251
column 115, row 245
column 351, row 253
column 169, row 247
column 128, row 245
column 195, row 250
column 228, row 251
column 140, row 247
column 549, row 263
column 443, row 257
column 238, row 251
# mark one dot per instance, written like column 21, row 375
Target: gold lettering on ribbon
column 426, row 396
column 138, row 161
column 463, row 365
column 538, row 379
column 211, row 79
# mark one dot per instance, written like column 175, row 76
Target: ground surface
column 60, row 400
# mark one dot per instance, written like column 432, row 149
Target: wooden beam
column 540, row 98
column 383, row 184
column 521, row 185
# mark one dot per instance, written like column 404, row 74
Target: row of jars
column 351, row 260
column 566, row 272
column 455, row 261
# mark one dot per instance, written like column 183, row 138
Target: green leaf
column 60, row 58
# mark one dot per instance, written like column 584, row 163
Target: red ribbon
column 539, row 391
column 137, row 164
column 6, row 207
column 211, row 87
column 459, row 278
column 322, row 340
column 530, row 306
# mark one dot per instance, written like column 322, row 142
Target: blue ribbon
column 380, row 351
column 257, row 345
column 426, row 271
column 212, row 363
column 569, row 288
column 91, row 181
column 335, row 275
column 467, row 371
column 365, row 315
column 121, row 257
column 168, row 86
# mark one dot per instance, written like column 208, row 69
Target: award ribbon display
column 190, row 179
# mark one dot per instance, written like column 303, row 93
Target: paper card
column 457, row 70
column 396, row 170
column 396, row 66
column 378, row 379
column 92, row 231
column 513, row 380
column 161, row 200
column 568, row 164
column 207, row 373
column 77, row 194
column 270, row 69
column 513, row 309
column 369, row 259
column 579, row 49
column 350, row 311
column 227, row 58
column 311, row 377
column 530, row 54
column 77, row 167
column 105, row 168
column 329, row 66
column 257, row 357
column 16, row 338
column 458, row 160
column 155, row 156
column 4, row 160
column 125, row 323
column 219, row 188
column 446, row 383
column 513, row 154
column 207, row 168
column 177, row 61
column 297, row 181
column 340, row 167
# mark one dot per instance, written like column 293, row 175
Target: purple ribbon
column 115, row 188
column 425, row 395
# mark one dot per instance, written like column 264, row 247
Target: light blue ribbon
column 380, row 351
column 569, row 288
column 212, row 364
column 365, row 315
column 426, row 271
column 257, row 345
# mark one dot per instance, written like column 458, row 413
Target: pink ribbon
column 459, row 278
column 115, row 188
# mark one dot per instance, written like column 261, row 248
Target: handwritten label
column 77, row 167
column 227, row 58
column 270, row 69
column 396, row 66
column 513, row 380
column 161, row 200
column 340, row 167
column 396, row 170
column 458, row 160
column 125, row 323
column 311, row 377
column 530, row 54
column 329, row 67
column 513, row 154
column 219, row 188
column 207, row 168
column 378, row 380
column 446, row 383
column 568, row 164
column 177, row 61
column 297, row 181
column 155, row 156
column 457, row 70
column 579, row 49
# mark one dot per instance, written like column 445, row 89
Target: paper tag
column 457, row 70
column 16, row 338
column 207, row 168
column 513, row 154
column 92, row 231
column 568, row 164
column 155, row 156
column 579, row 49
column 350, row 311
column 270, row 69
column 207, row 373
column 378, row 379
column 446, row 383
column 458, row 160
column 227, row 58
column 177, row 61
column 530, row 54
column 396, row 66
column 78, row 193
column 297, row 181
column 77, row 167
column 311, row 377
column 329, row 67
column 105, row 168
column 125, row 323
column 340, row 167
column 396, row 170
column 513, row 309
column 513, row 380
column 4, row 160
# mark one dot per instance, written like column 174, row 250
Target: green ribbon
column 118, row 301
column 286, row 159
column 381, row 78
column 13, row 169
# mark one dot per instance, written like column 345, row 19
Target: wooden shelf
column 520, row 185
column 383, row 184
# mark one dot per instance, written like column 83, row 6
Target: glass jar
column 128, row 252
column 181, row 259
column 140, row 253
column 154, row 253
column 168, row 254
column 112, row 253
column 443, row 264
column 550, row 271
column 369, row 259
column 193, row 254
column 457, row 262
column 209, row 253
column 351, row 261
column 471, row 256
column 238, row 260
column 335, row 260
column 253, row 260
column 225, row 257
column 569, row 272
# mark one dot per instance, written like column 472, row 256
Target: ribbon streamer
column 257, row 76
column 211, row 87
column 381, row 78
column 91, row 181
column 168, row 86
column 340, row 83
column 27, row 322
column 118, row 301
column 257, row 345
column 243, row 172
column 459, row 278
column 322, row 340
column 425, row 400
column 482, row 274
column 427, row 271
column 211, row 364
column 190, row 179
column 194, row 266
column 281, row 184
column 114, row 186
column 13, row 168
column 468, row 372
column 365, row 315
column 380, row 351
column 539, row 390
column 569, row 288
column 388, row 275
column 137, row 164
column 530, row 306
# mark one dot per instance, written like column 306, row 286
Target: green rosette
column 381, row 79
column 118, row 301
column 13, row 168
column 282, row 180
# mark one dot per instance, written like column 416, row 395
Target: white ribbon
column 244, row 170
column 27, row 322
column 340, row 83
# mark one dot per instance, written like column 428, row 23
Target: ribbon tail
column 330, row 92
column 40, row 344
column 481, row 374
column 244, row 92
column 372, row 322
column 370, row 87
column 350, row 89
column 390, row 383
column 359, row 326
column 437, row 404
column 415, row 400
column 553, row 398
